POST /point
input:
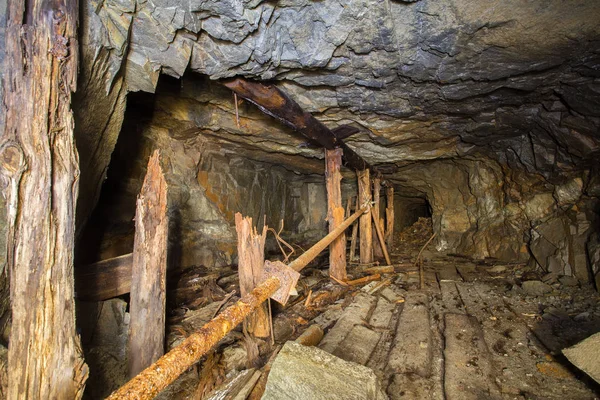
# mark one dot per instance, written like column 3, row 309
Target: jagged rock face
column 489, row 110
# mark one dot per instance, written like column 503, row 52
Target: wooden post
column 251, row 256
column 149, row 271
column 335, row 213
column 376, row 200
column 39, row 167
column 389, row 216
column 366, row 232
column 354, row 234
column 381, row 241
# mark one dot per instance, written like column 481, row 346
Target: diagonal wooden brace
column 287, row 277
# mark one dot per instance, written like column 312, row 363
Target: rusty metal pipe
column 148, row 383
column 299, row 263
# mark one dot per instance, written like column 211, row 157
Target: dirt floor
column 475, row 330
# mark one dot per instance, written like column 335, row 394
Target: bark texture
column 149, row 271
column 335, row 213
column 40, row 170
column 366, row 230
column 251, row 256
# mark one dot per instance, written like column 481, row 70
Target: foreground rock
column 585, row 355
column 301, row 372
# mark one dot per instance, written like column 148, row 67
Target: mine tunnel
column 300, row 200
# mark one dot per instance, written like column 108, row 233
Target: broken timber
column 149, row 271
column 251, row 256
column 335, row 213
column 152, row 380
column 366, row 232
column 274, row 102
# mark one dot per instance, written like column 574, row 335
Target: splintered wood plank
column 39, row 170
column 251, row 256
column 389, row 216
column 335, row 213
column 105, row 279
column 148, row 285
column 366, row 231
column 468, row 370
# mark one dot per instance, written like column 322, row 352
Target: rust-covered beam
column 274, row 102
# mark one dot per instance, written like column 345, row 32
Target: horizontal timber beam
column 274, row 102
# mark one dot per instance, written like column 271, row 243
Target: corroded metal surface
column 166, row 369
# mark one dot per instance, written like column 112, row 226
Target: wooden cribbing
column 335, row 212
column 381, row 240
column 251, row 256
column 149, row 271
column 366, row 232
column 166, row 369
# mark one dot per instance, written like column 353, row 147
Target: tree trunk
column 40, row 169
column 149, row 271
column 389, row 217
column 251, row 258
column 366, row 231
column 335, row 213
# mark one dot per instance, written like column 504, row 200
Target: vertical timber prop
column 251, row 255
column 366, row 231
column 377, row 251
column 40, row 168
column 335, row 213
column 354, row 234
column 389, row 216
column 149, row 271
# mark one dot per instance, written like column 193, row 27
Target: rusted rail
column 299, row 263
column 148, row 383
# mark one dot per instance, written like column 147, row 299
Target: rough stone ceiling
column 424, row 80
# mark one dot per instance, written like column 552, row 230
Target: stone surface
column 301, row 372
column 536, row 288
column 585, row 355
column 358, row 345
column 412, row 352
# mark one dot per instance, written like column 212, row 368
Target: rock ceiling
column 423, row 80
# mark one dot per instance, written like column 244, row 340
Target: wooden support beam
column 251, row 256
column 377, row 252
column 39, row 167
column 381, row 241
column 335, row 213
column 389, row 216
column 366, row 232
column 105, row 279
column 274, row 102
column 149, row 271
column 354, row 234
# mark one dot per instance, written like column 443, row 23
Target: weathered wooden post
column 149, row 271
column 335, row 213
column 251, row 256
column 366, row 232
column 389, row 216
column 40, row 167
column 376, row 215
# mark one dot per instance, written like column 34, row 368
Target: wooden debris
column 105, row 279
column 307, row 302
column 335, row 212
column 388, row 269
column 363, row 280
column 259, row 388
column 152, row 380
column 366, row 233
column 419, row 262
column 149, row 271
column 251, row 256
